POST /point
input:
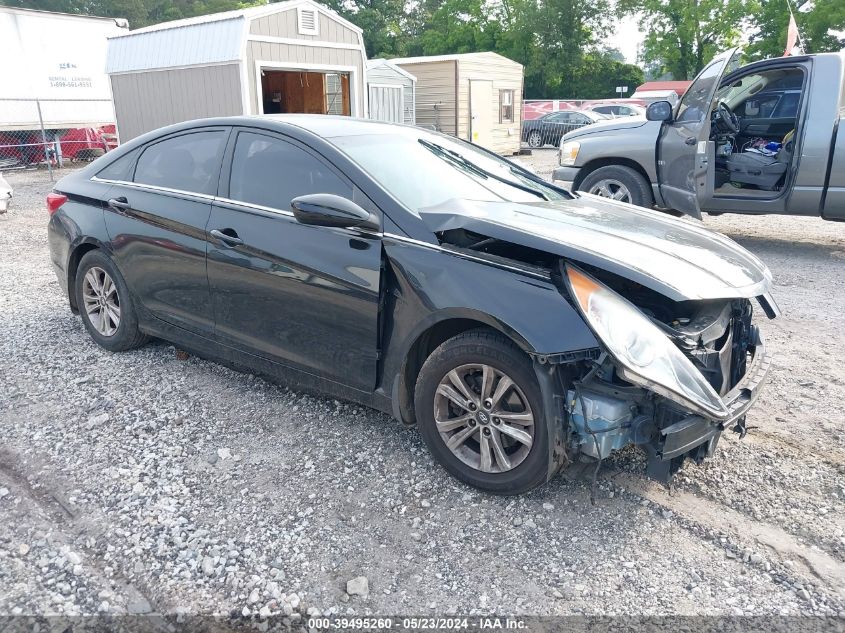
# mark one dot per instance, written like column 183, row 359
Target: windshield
column 423, row 170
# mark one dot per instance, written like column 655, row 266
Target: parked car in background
column 521, row 327
column 762, row 138
column 615, row 110
column 549, row 128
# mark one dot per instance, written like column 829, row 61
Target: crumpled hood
column 674, row 257
column 622, row 123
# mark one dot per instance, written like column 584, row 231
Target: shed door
column 386, row 103
column 481, row 112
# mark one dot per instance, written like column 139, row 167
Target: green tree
column 558, row 42
column 456, row 26
column 384, row 23
column 683, row 35
column 600, row 74
column 815, row 20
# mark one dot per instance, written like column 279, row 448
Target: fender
column 527, row 308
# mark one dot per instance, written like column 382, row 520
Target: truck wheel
column 480, row 411
column 618, row 182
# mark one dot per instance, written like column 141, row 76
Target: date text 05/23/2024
column 418, row 624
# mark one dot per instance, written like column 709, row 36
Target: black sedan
column 520, row 327
column 549, row 128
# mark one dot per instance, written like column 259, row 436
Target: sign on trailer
column 60, row 60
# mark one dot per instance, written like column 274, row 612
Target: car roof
column 319, row 125
column 328, row 126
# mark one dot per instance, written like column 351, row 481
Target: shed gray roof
column 206, row 39
column 372, row 64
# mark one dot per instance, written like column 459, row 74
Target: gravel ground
column 139, row 482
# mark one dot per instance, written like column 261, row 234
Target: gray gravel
column 139, row 482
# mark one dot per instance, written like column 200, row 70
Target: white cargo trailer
column 57, row 62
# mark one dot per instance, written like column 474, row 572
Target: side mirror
column 659, row 111
column 326, row 209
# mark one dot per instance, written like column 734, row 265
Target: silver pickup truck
column 761, row 138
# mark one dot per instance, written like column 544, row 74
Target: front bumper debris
column 695, row 436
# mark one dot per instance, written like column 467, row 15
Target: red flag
column 791, row 35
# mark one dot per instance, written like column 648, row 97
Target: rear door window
column 188, row 162
column 787, row 106
column 270, row 172
column 120, row 169
column 760, row 106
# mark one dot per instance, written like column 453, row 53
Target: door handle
column 227, row 236
column 691, row 140
column 119, row 204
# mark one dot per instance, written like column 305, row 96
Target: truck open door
column 685, row 153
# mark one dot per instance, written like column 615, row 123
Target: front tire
column 480, row 412
column 620, row 183
column 535, row 139
column 105, row 304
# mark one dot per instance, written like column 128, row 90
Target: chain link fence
column 51, row 135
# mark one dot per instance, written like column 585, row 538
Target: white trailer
column 55, row 62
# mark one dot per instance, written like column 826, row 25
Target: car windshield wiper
column 520, row 171
column 456, row 159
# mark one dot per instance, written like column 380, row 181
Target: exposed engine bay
column 605, row 411
column 608, row 413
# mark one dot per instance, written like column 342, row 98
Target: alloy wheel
column 535, row 139
column 102, row 303
column 611, row 188
column 484, row 418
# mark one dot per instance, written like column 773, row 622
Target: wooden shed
column 474, row 96
column 295, row 56
column 391, row 92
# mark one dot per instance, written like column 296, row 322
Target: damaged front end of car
column 670, row 376
column 678, row 358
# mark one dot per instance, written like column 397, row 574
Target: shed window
column 334, row 94
column 506, row 106
column 308, row 23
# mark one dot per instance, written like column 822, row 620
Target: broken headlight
column 644, row 355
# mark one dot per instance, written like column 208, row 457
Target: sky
column 626, row 38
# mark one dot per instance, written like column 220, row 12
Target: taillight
column 54, row 201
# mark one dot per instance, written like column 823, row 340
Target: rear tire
column 105, row 304
column 621, row 183
column 490, row 451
